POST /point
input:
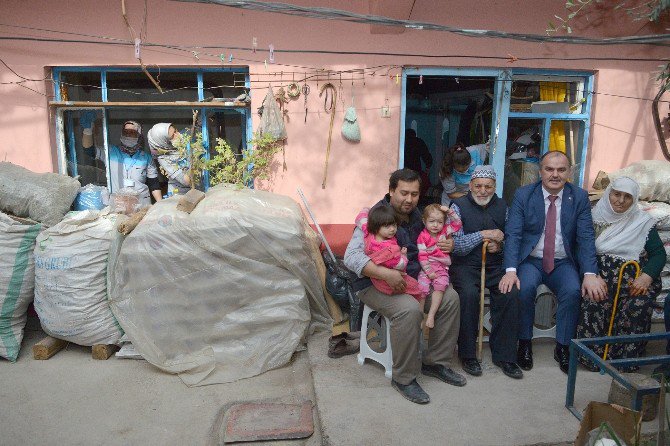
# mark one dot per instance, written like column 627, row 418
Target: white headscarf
column 159, row 139
column 627, row 232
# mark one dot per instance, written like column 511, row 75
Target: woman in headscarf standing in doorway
column 161, row 138
column 623, row 232
column 129, row 165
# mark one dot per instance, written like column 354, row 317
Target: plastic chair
column 545, row 314
column 385, row 357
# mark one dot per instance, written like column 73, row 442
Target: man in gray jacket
column 402, row 309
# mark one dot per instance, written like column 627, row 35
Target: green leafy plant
column 228, row 166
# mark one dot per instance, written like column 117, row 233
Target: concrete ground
column 72, row 399
column 358, row 406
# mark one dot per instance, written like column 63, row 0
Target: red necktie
column 549, row 236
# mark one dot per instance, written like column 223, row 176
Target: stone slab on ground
column 256, row 421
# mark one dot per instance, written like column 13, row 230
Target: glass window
column 223, row 85
column 547, row 95
column 137, row 87
column 81, row 86
column 566, row 136
column 524, row 146
column 85, row 162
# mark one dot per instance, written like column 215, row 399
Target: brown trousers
column 405, row 316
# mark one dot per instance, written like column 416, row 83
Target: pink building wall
column 622, row 130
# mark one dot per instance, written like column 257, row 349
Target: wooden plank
column 48, row 347
column 103, row 351
column 208, row 104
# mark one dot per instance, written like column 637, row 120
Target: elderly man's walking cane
column 616, row 298
column 482, row 282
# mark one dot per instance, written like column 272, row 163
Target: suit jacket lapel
column 537, row 203
column 567, row 203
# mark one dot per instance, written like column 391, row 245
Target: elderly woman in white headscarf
column 161, row 138
column 623, row 232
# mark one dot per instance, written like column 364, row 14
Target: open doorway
column 442, row 111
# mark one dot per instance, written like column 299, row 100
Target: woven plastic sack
column 71, row 279
column 351, row 130
column 223, row 293
column 17, row 281
column 272, row 121
column 43, row 197
column 651, row 175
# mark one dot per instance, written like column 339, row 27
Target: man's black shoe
column 444, row 374
column 562, row 356
column 524, row 355
column 411, row 391
column 472, row 367
column 510, row 369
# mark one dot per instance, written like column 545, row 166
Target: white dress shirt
column 559, row 249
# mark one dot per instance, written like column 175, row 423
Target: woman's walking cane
column 616, row 298
column 482, row 282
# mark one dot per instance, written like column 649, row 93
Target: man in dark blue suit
column 549, row 238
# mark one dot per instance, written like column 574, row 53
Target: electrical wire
column 348, row 16
column 190, row 49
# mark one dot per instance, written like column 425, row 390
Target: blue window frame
column 116, row 94
column 506, row 116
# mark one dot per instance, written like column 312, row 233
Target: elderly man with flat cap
column 484, row 216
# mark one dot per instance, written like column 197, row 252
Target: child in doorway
column 379, row 225
column 457, row 166
column 439, row 224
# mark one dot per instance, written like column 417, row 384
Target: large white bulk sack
column 659, row 211
column 226, row 292
column 651, row 175
column 17, row 280
column 71, row 279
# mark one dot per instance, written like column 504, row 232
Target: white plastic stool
column 385, row 358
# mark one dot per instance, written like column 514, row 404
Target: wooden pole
column 482, row 282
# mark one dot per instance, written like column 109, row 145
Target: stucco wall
column 622, row 130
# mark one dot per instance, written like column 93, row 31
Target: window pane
column 566, row 136
column 87, row 163
column 80, row 86
column 540, row 96
column 223, row 85
column 524, row 144
column 229, row 125
column 137, row 87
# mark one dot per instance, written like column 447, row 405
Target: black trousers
column 505, row 312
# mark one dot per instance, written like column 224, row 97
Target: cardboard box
column 622, row 420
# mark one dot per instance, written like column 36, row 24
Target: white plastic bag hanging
column 351, row 131
column 272, row 121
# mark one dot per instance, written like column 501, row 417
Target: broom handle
column 318, row 228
